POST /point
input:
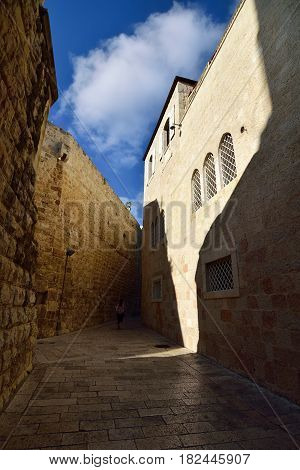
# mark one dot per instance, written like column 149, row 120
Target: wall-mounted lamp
column 173, row 126
column 63, row 157
column 69, row 252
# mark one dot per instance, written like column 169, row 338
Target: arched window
column 227, row 159
column 162, row 225
column 210, row 176
column 150, row 167
column 156, row 231
column 152, row 236
column 196, row 191
column 166, row 135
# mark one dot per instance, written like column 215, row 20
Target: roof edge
column 176, row 80
column 216, row 52
column 68, row 134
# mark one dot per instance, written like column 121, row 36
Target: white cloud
column 119, row 87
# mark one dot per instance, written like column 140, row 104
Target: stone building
column 220, row 258
column 77, row 209
column 27, row 90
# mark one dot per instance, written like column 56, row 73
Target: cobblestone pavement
column 110, row 389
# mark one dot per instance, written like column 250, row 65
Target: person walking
column 120, row 310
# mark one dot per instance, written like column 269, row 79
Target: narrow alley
column 102, row 388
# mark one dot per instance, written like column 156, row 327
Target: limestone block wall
column 249, row 90
column 78, row 209
column 27, row 89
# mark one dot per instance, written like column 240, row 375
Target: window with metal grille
column 219, row 275
column 162, row 225
column 227, row 159
column 157, row 289
column 196, row 191
column 210, row 176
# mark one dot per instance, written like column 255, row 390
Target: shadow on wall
column 107, row 275
column 84, row 289
column 257, row 333
column 162, row 314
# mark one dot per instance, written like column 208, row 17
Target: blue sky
column 115, row 62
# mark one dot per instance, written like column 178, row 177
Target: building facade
column 77, row 209
column 27, row 90
column 220, row 261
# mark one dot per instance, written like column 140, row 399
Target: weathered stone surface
column 78, row 209
column 225, row 422
column 27, row 89
column 254, row 218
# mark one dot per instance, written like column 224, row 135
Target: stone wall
column 249, row 90
column 27, row 89
column 78, row 209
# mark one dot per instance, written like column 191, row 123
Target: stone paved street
column 110, row 389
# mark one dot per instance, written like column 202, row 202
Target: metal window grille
column 219, row 275
column 162, row 225
column 157, row 289
column 227, row 158
column 210, row 176
column 196, row 191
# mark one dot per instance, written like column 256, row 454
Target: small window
column 196, row 191
column 219, row 275
column 166, row 135
column 162, row 225
column 210, row 176
column 157, row 289
column 64, row 151
column 152, row 235
column 156, row 231
column 227, row 159
column 150, row 167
